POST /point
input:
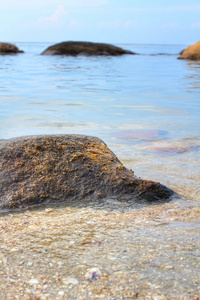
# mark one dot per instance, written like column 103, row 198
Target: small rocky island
column 191, row 53
column 85, row 48
column 7, row 48
column 65, row 168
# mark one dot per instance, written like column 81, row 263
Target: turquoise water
column 145, row 107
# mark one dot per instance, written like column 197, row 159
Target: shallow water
column 149, row 253
column 146, row 108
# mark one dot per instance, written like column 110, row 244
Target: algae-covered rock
column 7, row 48
column 84, row 48
column 191, row 53
column 57, row 168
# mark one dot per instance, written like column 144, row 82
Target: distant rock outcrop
column 191, row 53
column 85, row 48
column 7, row 48
column 65, row 168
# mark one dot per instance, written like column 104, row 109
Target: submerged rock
column 7, row 48
column 84, row 48
column 192, row 52
column 64, row 168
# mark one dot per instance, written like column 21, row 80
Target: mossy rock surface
column 84, row 48
column 191, row 53
column 7, row 48
column 65, row 168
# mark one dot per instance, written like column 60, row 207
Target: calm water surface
column 146, row 108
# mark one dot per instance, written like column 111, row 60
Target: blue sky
column 111, row 21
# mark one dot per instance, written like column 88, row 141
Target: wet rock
column 84, row 48
column 7, row 48
column 177, row 147
column 65, row 168
column 191, row 53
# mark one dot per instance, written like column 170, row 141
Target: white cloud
column 184, row 8
column 86, row 3
column 195, row 25
column 129, row 24
column 53, row 20
column 118, row 24
column 110, row 24
column 74, row 23
column 170, row 26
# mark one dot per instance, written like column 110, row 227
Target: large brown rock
column 7, row 48
column 41, row 169
column 192, row 52
column 84, row 48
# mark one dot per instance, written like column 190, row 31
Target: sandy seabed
column 93, row 253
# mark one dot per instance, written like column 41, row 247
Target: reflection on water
column 194, row 76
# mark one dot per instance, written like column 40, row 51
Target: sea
column 146, row 107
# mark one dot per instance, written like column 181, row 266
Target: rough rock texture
column 7, row 48
column 40, row 169
column 84, row 48
column 192, row 52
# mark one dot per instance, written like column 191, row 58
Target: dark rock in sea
column 85, row 48
column 191, row 53
column 64, row 168
column 7, row 48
